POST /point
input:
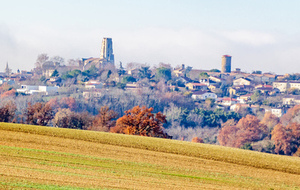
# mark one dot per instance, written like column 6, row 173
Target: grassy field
column 33, row 157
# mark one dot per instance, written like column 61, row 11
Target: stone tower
column 107, row 55
column 226, row 64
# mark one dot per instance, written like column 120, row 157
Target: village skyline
column 259, row 35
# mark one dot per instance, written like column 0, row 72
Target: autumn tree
column 38, row 114
column 54, row 104
column 65, row 118
column 286, row 138
column 10, row 93
column 104, row 120
column 197, row 140
column 270, row 120
column 7, row 112
column 247, row 130
column 68, row 102
column 141, row 121
column 292, row 115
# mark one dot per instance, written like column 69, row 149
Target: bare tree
column 58, row 59
column 42, row 58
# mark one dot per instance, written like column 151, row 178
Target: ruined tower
column 107, row 55
column 226, row 64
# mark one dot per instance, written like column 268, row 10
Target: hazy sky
column 258, row 34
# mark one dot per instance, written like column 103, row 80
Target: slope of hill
column 51, row 158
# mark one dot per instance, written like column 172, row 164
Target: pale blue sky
column 259, row 34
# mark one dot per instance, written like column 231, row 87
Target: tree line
column 269, row 134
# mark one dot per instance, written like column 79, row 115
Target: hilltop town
column 207, row 106
column 229, row 89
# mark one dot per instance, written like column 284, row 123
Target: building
column 196, row 86
column 203, row 95
column 294, row 85
column 226, row 64
column 242, row 81
column 277, row 111
column 107, row 51
column 282, row 86
column 95, row 93
column 30, row 89
column 93, row 85
column 291, row 100
column 106, row 60
column 228, row 101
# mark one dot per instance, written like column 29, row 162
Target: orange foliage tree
column 292, row 115
column 104, row 120
column 140, row 121
column 10, row 93
column 38, row 114
column 270, row 120
column 53, row 103
column 247, row 130
column 286, row 138
column 68, row 102
column 197, row 140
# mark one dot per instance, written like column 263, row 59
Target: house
column 266, row 89
column 93, row 84
column 240, row 89
column 228, row 101
column 214, row 87
column 277, row 111
column 242, row 81
column 282, row 86
column 237, row 107
column 133, row 72
column 294, row 85
column 203, row 95
column 244, row 98
column 267, row 77
column 95, row 93
column 196, row 86
column 217, row 79
column 30, row 89
column 291, row 100
column 133, row 87
column 184, row 80
column 54, row 81
column 205, row 81
column 180, row 71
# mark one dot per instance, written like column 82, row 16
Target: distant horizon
column 258, row 35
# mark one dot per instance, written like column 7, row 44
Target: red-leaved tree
column 286, row 138
column 141, row 121
column 197, row 140
column 247, row 130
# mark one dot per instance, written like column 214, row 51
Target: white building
column 203, row 95
column 30, row 89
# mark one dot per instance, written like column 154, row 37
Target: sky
column 258, row 34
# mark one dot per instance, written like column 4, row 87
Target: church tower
column 7, row 70
column 107, row 51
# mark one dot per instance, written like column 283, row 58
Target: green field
column 33, row 157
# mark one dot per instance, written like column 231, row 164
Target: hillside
column 53, row 158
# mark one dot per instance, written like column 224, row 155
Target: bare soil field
column 33, row 157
